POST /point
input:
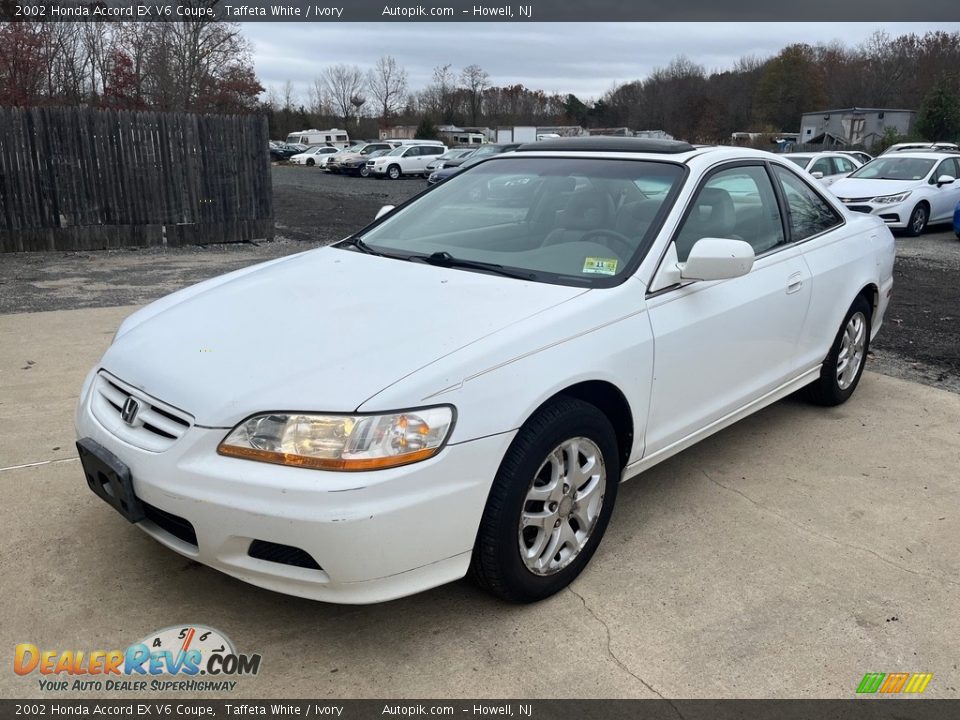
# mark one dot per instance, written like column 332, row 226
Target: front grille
column 155, row 426
column 174, row 524
column 855, row 200
column 283, row 554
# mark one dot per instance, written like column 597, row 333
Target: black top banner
column 336, row 11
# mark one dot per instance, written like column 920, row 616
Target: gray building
column 853, row 126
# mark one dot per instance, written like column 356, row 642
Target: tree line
column 206, row 66
column 196, row 65
column 683, row 98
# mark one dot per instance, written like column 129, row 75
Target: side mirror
column 383, row 211
column 945, row 180
column 817, row 175
column 717, row 259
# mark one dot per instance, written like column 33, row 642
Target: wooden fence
column 87, row 179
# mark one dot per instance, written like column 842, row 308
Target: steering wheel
column 624, row 242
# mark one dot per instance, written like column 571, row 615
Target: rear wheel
column 918, row 220
column 550, row 503
column 841, row 371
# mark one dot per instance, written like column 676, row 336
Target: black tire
column 364, row 171
column 393, row 172
column 311, row 162
column 919, row 218
column 826, row 390
column 497, row 565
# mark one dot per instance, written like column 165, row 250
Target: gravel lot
column 919, row 342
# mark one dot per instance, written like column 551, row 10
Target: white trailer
column 333, row 137
column 517, row 134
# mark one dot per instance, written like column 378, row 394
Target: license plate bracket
column 110, row 479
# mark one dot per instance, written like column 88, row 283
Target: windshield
column 566, row 220
column 801, row 161
column 895, row 168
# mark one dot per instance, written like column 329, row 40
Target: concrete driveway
column 784, row 557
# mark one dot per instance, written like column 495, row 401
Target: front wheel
column 918, row 220
column 364, row 171
column 393, row 172
column 843, row 366
column 550, row 503
column 311, row 162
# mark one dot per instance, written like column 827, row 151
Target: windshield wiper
column 359, row 244
column 445, row 259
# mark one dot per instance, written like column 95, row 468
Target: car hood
column 322, row 331
column 859, row 188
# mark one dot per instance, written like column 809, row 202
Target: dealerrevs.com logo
column 187, row 658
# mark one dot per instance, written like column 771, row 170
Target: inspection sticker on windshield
column 600, row 266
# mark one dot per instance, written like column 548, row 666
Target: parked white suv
column 497, row 355
column 906, row 190
column 406, row 160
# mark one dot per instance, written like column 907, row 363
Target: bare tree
column 476, row 80
column 387, row 82
column 343, row 83
column 289, row 96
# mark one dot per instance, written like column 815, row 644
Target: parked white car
column 907, row 190
column 405, row 160
column 921, row 146
column 826, row 167
column 313, row 155
column 496, row 356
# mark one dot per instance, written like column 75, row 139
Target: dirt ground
column 920, row 340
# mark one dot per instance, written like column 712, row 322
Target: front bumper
column 895, row 215
column 375, row 535
column 377, row 169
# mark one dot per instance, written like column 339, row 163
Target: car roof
column 923, row 154
column 600, row 143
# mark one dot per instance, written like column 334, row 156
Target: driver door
column 719, row 345
column 944, row 198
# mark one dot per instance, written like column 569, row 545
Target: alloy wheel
column 562, row 506
column 852, row 344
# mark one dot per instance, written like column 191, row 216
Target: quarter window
column 738, row 203
column 809, row 213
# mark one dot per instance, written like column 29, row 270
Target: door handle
column 794, row 283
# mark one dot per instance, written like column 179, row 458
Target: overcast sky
column 583, row 58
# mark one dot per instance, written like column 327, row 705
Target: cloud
column 583, row 58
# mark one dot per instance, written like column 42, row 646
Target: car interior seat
column 713, row 215
column 587, row 210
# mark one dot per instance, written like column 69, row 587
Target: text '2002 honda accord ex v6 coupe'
column 460, row 387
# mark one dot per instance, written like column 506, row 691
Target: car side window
column 822, row 165
column 809, row 214
column 737, row 203
column 947, row 167
column 844, row 165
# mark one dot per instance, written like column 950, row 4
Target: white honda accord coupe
column 461, row 386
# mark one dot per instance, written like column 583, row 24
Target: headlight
column 891, row 199
column 341, row 442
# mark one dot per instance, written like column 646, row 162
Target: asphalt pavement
column 783, row 557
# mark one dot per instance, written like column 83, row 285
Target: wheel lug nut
column 553, row 507
column 556, row 524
